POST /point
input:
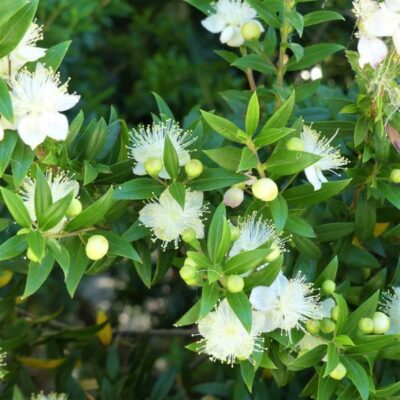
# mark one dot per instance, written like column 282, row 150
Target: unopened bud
column 339, row 372
column 96, row 247
column 295, row 144
column 395, row 176
column 187, row 272
column 381, row 323
column 328, row 286
column 251, row 30
column 233, row 197
column 153, row 166
column 193, row 168
column 335, row 313
column 5, row 277
column 328, row 325
column 366, row 325
column 234, row 283
column 74, row 209
column 313, row 326
column 265, row 189
column 189, row 235
column 235, row 232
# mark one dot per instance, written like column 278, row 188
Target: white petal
column 213, row 23
column 393, row 5
column 147, row 215
column 194, row 199
column 372, row 51
column 30, row 53
column 381, row 23
column 138, row 169
column 236, row 40
column 262, row 297
column 67, row 101
column 270, row 323
column 226, row 34
column 198, row 227
column 164, row 174
column 326, row 307
column 31, row 130
column 312, row 177
column 396, row 41
column 56, row 125
column 1, row 133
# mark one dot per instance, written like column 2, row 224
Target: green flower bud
column 366, row 325
column 153, row 166
column 328, row 287
column 193, row 169
column 32, row 256
column 295, row 144
column 328, row 325
column 234, row 283
column 235, row 232
column 339, row 372
column 335, row 313
column 265, row 189
column 313, row 326
column 189, row 235
column 74, row 209
column 395, row 176
column 96, row 247
column 190, row 262
column 251, row 30
column 381, row 323
column 188, row 272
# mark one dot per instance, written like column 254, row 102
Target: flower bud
column 233, row 197
column 190, row 262
column 366, row 325
column 328, row 325
column 328, row 287
column 74, row 209
column 32, row 256
column 313, row 326
column 193, row 169
column 251, row 30
column 5, row 277
column 96, row 247
column 187, row 272
column 235, row 232
column 395, row 176
column 265, row 189
column 153, row 166
column 241, row 185
column 234, row 283
column 295, row 144
column 335, row 313
column 339, row 372
column 188, row 235
column 275, row 253
column 381, row 323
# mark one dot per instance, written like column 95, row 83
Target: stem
column 249, row 72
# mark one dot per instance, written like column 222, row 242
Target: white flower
column 326, row 308
column 169, row 220
column 372, row 51
column 148, row 142
column 50, row 396
column 391, row 306
column 228, row 19
column 330, row 156
column 226, row 339
column 60, row 186
column 286, row 304
column 38, row 99
column 26, row 51
column 254, row 232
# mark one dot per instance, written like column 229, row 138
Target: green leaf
column 7, row 146
column 329, row 272
column 252, row 115
column 297, row 49
column 306, row 247
column 60, row 254
column 241, row 306
column 312, row 55
column 299, row 226
column 138, row 189
column 357, row 374
column 37, row 244
column 265, row 276
column 279, row 211
column 286, row 162
column 224, row 127
column 282, row 115
column 43, row 197
column 248, row 160
column 358, row 257
column 215, row 178
column 52, row 215
column 13, row 247
column 6, row 109
column 226, row 157
column 248, row 373
column 326, row 388
column 178, row 192
column 391, row 193
column 385, row 392
column 365, row 217
column 245, row 261
column 271, row 135
column 361, row 130
column 255, row 62
column 333, row 231
column 209, row 297
column 55, row 55
column 144, row 268
column 119, row 246
column 304, row 195
column 78, row 265
column 219, row 235
column 190, row 317
column 90, row 173
column 16, row 207
column 308, row 359
column 318, row 17
column 171, row 160
column 342, row 313
column 15, row 28
column 37, row 275
column 296, row 20
column 94, row 140
column 164, row 110
column 21, row 161
column 93, row 214
column 332, row 359
column 10, row 8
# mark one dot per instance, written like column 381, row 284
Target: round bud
column 329, row 286
column 74, row 209
column 5, row 277
column 96, row 247
column 275, row 253
column 395, row 176
column 295, row 144
column 153, row 166
column 193, row 169
column 381, row 323
column 187, row 272
column 251, row 30
column 241, row 185
column 23, row 231
column 335, row 313
column 366, row 325
column 339, row 372
column 235, row 232
column 190, row 262
column 233, row 197
column 313, row 326
column 328, row 325
column 265, row 189
column 234, row 283
column 188, row 235
column 193, row 282
column 32, row 256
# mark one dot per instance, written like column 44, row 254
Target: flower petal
column 31, row 130
column 213, row 23
column 312, row 177
column 67, row 101
column 236, row 40
column 372, row 51
column 138, row 169
column 56, row 125
column 226, row 34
